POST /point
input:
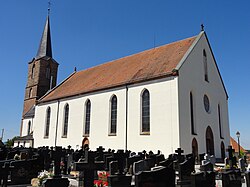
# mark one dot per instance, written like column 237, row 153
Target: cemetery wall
column 192, row 79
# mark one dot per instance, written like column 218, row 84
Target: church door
column 85, row 143
column 209, row 141
column 195, row 148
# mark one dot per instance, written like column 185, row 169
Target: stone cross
column 120, row 156
column 89, row 166
column 230, row 151
column 179, row 151
column 56, row 156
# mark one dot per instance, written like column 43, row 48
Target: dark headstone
column 231, row 178
column 62, row 182
column 203, row 179
column 158, row 177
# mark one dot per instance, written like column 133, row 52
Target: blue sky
column 87, row 33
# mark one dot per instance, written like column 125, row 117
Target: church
column 160, row 99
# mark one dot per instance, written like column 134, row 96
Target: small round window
column 206, row 103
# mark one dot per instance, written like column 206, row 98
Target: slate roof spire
column 45, row 48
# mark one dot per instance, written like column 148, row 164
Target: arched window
column 30, row 93
column 220, row 127
column 193, row 130
column 87, row 117
column 66, row 120
column 48, row 72
column 47, row 123
column 33, row 71
column 222, row 148
column 29, row 126
column 113, row 115
column 210, row 141
column 205, row 65
column 195, row 148
column 145, row 111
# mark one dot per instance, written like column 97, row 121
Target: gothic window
column 205, row 65
column 30, row 93
column 193, row 130
column 66, row 120
column 33, row 71
column 113, row 116
column 222, row 147
column 47, row 123
column 145, row 112
column 220, row 127
column 206, row 103
column 195, row 148
column 48, row 72
column 87, row 117
column 29, row 126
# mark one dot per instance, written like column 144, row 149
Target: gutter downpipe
column 58, row 103
column 126, row 120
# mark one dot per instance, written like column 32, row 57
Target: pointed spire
column 45, row 48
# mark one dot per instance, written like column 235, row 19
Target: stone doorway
column 209, row 141
column 85, row 143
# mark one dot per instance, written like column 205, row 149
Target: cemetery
column 57, row 166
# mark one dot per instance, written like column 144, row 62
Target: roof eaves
column 40, row 100
column 164, row 75
column 188, row 52
column 216, row 66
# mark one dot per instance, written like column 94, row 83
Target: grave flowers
column 43, row 176
column 102, row 179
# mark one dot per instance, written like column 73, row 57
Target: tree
column 10, row 142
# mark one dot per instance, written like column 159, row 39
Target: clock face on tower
column 206, row 103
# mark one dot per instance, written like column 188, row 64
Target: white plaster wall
column 191, row 78
column 25, row 126
column 99, row 121
column 164, row 119
column 164, row 130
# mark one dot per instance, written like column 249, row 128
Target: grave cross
column 56, row 156
column 179, row 151
column 230, row 151
column 89, row 166
column 120, row 156
column 100, row 152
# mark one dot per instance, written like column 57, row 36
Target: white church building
column 160, row 99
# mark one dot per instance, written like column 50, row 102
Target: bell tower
column 42, row 71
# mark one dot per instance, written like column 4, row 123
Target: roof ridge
column 108, row 62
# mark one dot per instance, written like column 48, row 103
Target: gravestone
column 207, row 167
column 158, row 177
column 4, row 172
column 89, row 166
column 247, row 175
column 185, row 170
column 113, row 167
column 242, row 165
column 24, row 170
column 138, row 167
column 57, row 179
column 120, row 179
column 231, row 178
column 203, row 179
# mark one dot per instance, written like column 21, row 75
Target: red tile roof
column 143, row 66
column 234, row 144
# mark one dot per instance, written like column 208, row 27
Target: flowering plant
column 100, row 183
column 102, row 179
column 43, row 176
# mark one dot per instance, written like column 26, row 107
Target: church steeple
column 45, row 48
column 42, row 71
